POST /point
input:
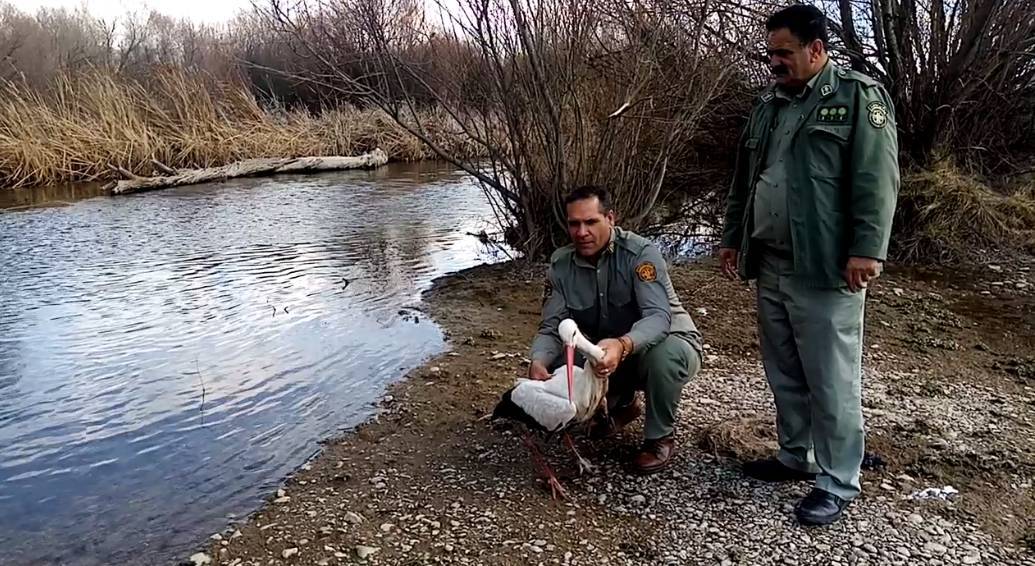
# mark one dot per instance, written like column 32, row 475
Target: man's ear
column 611, row 216
column 816, row 49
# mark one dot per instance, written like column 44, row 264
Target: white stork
column 570, row 397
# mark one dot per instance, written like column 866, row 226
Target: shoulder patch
column 767, row 97
column 647, row 272
column 877, row 113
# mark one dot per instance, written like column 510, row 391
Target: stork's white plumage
column 571, row 396
column 561, row 401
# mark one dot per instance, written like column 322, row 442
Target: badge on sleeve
column 878, row 114
column 647, row 272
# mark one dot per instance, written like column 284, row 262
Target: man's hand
column 612, row 355
column 728, row 262
column 860, row 271
column 537, row 371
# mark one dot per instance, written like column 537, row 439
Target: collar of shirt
column 805, row 91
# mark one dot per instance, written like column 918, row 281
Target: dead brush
column 945, row 214
column 742, row 438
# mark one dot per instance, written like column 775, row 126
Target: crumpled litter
column 947, row 493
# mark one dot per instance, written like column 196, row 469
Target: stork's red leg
column 584, row 464
column 544, row 468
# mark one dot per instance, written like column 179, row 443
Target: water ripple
column 166, row 358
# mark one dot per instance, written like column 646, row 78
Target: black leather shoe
column 773, row 470
column 820, row 508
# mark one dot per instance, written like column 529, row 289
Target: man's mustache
column 780, row 70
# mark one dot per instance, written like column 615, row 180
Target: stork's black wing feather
column 507, row 409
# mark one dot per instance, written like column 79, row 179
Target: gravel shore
column 949, row 399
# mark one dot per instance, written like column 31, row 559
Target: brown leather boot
column 617, row 419
column 655, row 455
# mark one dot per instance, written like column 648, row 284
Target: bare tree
column 961, row 72
column 555, row 93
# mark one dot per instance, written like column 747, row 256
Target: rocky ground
column 949, row 397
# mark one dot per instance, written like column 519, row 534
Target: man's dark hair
column 589, row 191
column 805, row 21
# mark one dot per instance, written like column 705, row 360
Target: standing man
column 809, row 216
column 614, row 284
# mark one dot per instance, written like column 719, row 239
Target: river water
column 167, row 358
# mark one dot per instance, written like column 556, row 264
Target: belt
column 766, row 249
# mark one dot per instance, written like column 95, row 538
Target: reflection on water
column 166, row 358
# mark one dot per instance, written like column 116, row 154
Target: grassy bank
column 75, row 129
column 947, row 214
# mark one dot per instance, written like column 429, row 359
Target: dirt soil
column 949, row 399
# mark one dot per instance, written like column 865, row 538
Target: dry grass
column 74, row 130
column 743, row 439
column 946, row 214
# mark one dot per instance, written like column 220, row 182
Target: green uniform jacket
column 844, row 177
column 628, row 291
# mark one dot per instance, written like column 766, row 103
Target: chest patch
column 835, row 114
column 647, row 272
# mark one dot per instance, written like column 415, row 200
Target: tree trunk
column 251, row 168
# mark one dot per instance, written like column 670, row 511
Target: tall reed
column 83, row 123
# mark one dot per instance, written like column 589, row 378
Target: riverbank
column 949, row 395
column 84, row 123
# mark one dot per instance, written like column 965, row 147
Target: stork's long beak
column 569, row 352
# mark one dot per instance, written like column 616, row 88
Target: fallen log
column 247, row 168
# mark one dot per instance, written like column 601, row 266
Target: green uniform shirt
column 772, row 225
column 628, row 291
column 842, row 167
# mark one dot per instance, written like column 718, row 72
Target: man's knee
column 671, row 362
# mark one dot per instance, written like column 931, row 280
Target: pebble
column 364, row 552
column 972, row 559
column 638, row 500
column 200, row 559
column 289, row 552
column 353, row 517
column 935, row 548
column 915, row 518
